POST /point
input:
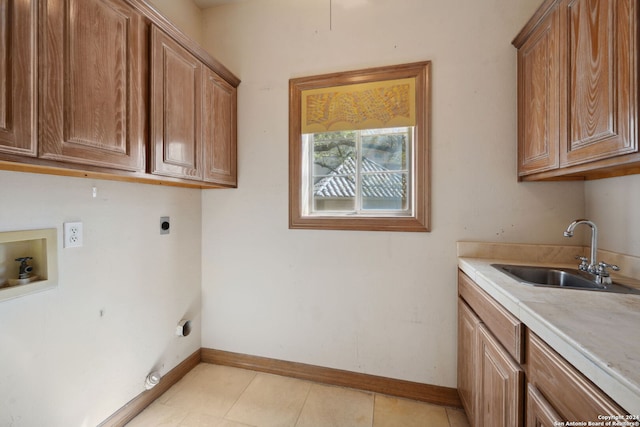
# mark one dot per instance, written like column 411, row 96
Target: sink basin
column 548, row 276
column 559, row 278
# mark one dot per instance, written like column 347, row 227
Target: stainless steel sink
column 559, row 278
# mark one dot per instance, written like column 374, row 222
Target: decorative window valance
column 374, row 105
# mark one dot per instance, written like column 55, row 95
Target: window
column 358, row 150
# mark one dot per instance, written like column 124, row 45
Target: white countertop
column 597, row 332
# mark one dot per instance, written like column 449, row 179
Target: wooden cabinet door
column 538, row 98
column 467, row 325
column 219, row 129
column 601, row 74
column 92, row 86
column 18, row 43
column 539, row 412
column 500, row 384
column 176, row 107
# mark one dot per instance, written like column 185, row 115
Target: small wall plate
column 165, row 225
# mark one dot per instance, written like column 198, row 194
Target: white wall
column 375, row 302
column 74, row 355
column 614, row 205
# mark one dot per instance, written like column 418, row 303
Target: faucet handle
column 602, row 267
column 584, row 262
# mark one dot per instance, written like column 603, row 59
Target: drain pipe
column 152, row 380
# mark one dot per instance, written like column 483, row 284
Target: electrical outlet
column 72, row 234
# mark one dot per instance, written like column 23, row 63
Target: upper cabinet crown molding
column 178, row 35
column 535, row 21
column 578, row 90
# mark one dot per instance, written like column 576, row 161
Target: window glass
column 359, row 171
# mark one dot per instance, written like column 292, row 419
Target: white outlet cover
column 73, row 235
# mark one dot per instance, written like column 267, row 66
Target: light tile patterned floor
column 221, row 396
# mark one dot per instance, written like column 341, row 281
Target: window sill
column 410, row 224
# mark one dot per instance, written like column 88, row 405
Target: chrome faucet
column 598, row 269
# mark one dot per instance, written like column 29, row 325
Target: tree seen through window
column 361, row 170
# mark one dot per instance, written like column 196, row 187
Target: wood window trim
column 420, row 221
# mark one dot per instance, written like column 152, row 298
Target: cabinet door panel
column 500, row 384
column 176, row 107
column 467, row 325
column 539, row 412
column 92, row 106
column 601, row 76
column 219, row 129
column 538, row 93
column 18, row 133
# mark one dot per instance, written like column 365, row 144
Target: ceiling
column 203, row 4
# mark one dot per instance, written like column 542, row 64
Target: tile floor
column 221, row 396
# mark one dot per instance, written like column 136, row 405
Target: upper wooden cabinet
column 219, row 129
column 578, row 90
column 110, row 89
column 193, row 116
column 92, row 97
column 18, row 41
column 176, row 108
column 538, row 95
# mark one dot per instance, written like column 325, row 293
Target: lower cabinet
column 568, row 392
column 502, row 385
column 490, row 380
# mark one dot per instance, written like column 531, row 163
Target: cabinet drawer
column 507, row 329
column 570, row 393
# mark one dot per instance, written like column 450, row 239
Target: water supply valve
column 25, row 269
